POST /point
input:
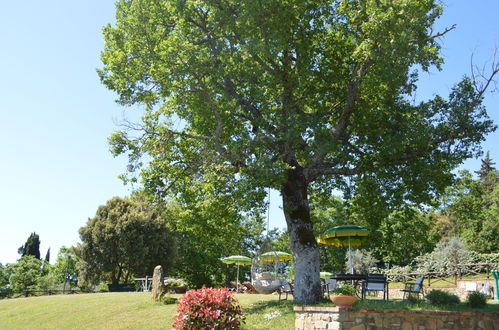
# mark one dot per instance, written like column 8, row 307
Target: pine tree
column 31, row 247
column 486, row 168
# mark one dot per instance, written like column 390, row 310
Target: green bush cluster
column 345, row 290
column 476, row 299
column 442, row 298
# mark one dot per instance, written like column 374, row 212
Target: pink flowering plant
column 208, row 308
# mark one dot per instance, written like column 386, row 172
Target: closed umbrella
column 239, row 261
column 345, row 236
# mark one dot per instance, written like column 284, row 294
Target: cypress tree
column 31, row 247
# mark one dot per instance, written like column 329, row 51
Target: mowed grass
column 133, row 310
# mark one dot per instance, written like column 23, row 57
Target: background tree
column 3, row 278
column 47, row 256
column 404, row 235
column 125, row 238
column 31, row 247
column 26, row 273
column 290, row 95
column 486, row 167
column 471, row 206
column 65, row 267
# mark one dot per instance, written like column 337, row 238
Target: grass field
column 137, row 311
column 127, row 311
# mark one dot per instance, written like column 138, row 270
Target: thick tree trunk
column 303, row 243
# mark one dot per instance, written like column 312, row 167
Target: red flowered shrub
column 208, row 309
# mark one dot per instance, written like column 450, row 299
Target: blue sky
column 55, row 116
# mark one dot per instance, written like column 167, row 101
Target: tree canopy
column 291, row 95
column 31, row 247
column 125, row 238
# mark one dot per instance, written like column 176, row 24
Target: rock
column 157, row 283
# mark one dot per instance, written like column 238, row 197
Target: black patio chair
column 375, row 283
column 411, row 288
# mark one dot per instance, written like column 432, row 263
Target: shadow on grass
column 285, row 306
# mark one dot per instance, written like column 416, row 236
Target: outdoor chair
column 286, row 288
column 329, row 285
column 414, row 287
column 249, row 287
column 375, row 283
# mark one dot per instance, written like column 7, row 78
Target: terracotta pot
column 343, row 301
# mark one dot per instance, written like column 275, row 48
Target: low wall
column 346, row 318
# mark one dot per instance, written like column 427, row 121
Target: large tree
column 31, row 247
column 125, row 238
column 289, row 95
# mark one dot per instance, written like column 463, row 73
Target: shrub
column 345, row 290
column 439, row 297
column 208, row 309
column 413, row 299
column 476, row 299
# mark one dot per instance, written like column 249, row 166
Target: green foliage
column 26, row 273
column 486, row 168
column 3, row 278
column 362, row 261
column 403, row 235
column 344, row 290
column 65, row 267
column 446, row 256
column 31, row 247
column 290, row 95
column 124, row 239
column 413, row 299
column 47, row 256
column 167, row 299
column 473, row 209
column 439, row 297
column 208, row 229
column 476, row 299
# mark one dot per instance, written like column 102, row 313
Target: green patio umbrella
column 239, row 261
column 345, row 236
column 325, row 275
column 275, row 256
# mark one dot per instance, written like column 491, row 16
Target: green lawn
column 137, row 311
column 126, row 311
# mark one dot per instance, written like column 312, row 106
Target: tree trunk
column 302, row 239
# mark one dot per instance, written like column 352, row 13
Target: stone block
column 157, row 283
column 406, row 326
column 299, row 324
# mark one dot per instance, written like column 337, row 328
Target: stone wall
column 346, row 318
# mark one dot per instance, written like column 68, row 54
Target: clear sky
column 55, row 116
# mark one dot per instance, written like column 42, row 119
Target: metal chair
column 329, row 285
column 375, row 283
column 285, row 288
column 414, row 287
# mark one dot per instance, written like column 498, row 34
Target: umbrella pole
column 350, row 256
column 237, row 280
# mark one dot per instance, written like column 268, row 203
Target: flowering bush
column 208, row 309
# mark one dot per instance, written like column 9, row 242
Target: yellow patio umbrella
column 345, row 236
column 239, row 261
